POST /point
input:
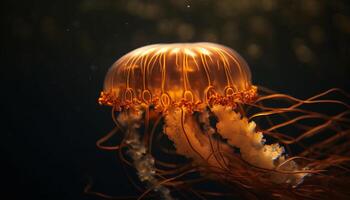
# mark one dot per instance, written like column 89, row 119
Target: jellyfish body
column 200, row 93
column 166, row 74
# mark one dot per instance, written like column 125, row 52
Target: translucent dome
column 176, row 72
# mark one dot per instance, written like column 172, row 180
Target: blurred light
column 209, row 36
column 230, row 32
column 302, row 52
column 254, row 51
column 185, row 32
column 316, row 34
column 166, row 26
column 269, row 5
column 260, row 26
column 311, row 7
column 342, row 22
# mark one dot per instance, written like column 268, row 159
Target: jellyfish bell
column 200, row 95
column 165, row 74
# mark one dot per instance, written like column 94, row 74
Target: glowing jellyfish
column 196, row 101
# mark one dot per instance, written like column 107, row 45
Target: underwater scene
column 176, row 99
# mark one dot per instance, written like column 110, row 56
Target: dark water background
column 55, row 54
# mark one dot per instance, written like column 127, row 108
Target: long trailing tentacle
column 107, row 137
column 341, row 118
column 195, row 139
column 162, row 183
column 183, row 113
column 273, row 95
column 329, row 148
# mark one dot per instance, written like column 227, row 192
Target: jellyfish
column 193, row 126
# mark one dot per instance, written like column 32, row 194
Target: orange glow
column 177, row 71
column 197, row 101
